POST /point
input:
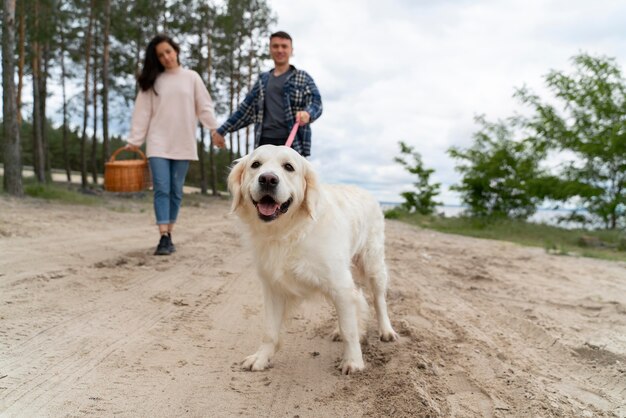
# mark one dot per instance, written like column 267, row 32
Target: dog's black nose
column 268, row 180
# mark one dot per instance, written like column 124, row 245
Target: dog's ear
column 235, row 177
column 311, row 190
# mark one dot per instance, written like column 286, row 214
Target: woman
column 170, row 102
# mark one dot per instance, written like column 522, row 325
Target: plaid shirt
column 299, row 93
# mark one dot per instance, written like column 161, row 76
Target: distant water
column 542, row 216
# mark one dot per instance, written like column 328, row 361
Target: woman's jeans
column 168, row 178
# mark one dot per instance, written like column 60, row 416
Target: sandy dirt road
column 91, row 324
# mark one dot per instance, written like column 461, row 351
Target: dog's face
column 273, row 182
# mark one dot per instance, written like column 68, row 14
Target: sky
column 420, row 71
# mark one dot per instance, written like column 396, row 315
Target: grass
column 603, row 244
column 72, row 194
column 60, row 193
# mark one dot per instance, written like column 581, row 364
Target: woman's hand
column 131, row 147
column 218, row 140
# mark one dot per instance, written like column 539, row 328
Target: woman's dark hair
column 151, row 65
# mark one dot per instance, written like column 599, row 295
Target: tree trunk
column 201, row 159
column 66, row 157
column 21, row 60
column 250, row 71
column 247, row 139
column 231, row 97
column 238, row 91
column 203, row 179
column 105, row 83
column 12, row 154
column 43, row 98
column 237, row 97
column 83, row 139
column 94, row 141
column 138, row 51
column 212, row 167
column 38, row 154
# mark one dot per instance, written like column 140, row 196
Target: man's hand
column 303, row 117
column 218, row 140
column 130, row 147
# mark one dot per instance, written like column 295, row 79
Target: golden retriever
column 308, row 238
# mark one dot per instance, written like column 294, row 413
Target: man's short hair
column 281, row 34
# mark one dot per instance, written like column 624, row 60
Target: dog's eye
column 256, row 164
column 288, row 167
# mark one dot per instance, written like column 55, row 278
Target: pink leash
column 292, row 134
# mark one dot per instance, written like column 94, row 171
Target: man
column 278, row 99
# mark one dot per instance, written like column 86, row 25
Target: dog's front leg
column 346, row 304
column 274, row 312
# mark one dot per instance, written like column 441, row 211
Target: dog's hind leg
column 375, row 270
column 275, row 305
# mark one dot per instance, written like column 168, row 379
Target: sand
column 92, row 324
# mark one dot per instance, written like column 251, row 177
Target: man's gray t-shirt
column 274, row 125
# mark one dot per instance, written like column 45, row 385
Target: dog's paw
column 351, row 367
column 256, row 362
column 388, row 336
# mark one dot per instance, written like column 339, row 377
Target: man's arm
column 314, row 100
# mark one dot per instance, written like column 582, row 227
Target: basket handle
column 117, row 151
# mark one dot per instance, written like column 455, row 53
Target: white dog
column 309, row 238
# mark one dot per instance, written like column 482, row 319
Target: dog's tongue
column 268, row 209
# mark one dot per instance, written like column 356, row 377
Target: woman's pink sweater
column 168, row 121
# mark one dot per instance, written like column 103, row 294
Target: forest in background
column 87, row 53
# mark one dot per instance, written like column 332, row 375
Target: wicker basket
column 126, row 175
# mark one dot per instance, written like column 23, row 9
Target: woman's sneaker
column 172, row 247
column 164, row 246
